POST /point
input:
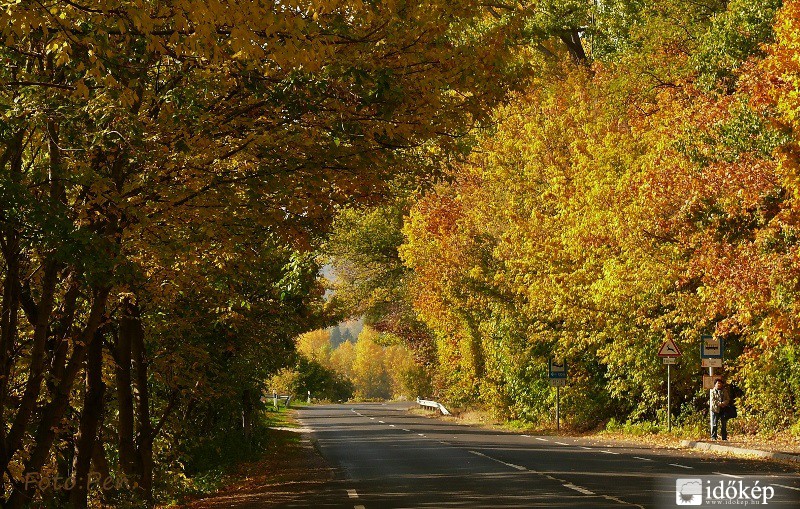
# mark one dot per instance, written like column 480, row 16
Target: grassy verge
column 647, row 434
column 273, row 450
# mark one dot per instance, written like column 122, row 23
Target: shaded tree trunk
column 36, row 369
column 574, row 44
column 144, row 439
column 91, row 416
column 123, row 381
column 247, row 413
column 135, row 427
column 54, row 411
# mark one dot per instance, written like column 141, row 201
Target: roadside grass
column 287, row 470
column 691, row 426
column 224, row 459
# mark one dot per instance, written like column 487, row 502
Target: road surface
column 388, row 458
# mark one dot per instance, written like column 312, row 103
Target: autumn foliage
column 650, row 193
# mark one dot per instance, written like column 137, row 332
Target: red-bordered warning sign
column 669, row 349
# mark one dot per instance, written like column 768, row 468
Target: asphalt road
column 388, row 458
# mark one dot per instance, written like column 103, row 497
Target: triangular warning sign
column 669, row 349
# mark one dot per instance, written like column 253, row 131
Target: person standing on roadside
column 720, row 399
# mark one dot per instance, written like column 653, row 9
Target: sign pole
column 558, row 416
column 669, row 400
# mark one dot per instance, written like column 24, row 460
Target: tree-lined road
column 388, row 458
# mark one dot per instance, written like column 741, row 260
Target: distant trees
column 376, row 366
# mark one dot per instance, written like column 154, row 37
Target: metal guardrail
column 278, row 397
column 433, row 404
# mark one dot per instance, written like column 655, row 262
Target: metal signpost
column 669, row 353
column 557, row 373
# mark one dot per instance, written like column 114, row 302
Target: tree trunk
column 90, row 419
column 36, row 370
column 43, row 312
column 144, row 441
column 573, row 41
column 247, row 414
column 8, row 334
column 54, row 411
column 9, row 309
column 122, row 377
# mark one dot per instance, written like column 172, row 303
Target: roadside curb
column 740, row 450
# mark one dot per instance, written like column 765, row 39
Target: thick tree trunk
column 36, row 369
column 145, row 437
column 54, row 411
column 123, row 381
column 135, row 427
column 8, row 333
column 90, row 420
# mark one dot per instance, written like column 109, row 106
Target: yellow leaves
column 81, row 89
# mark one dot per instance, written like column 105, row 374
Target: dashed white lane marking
column 407, row 430
column 421, row 434
column 643, row 459
column 584, row 447
column 517, row 467
column 352, row 493
column 381, row 422
column 609, row 452
column 371, row 418
column 620, row 501
column 560, row 443
column 392, row 426
column 788, row 487
column 578, row 489
column 541, row 439
column 526, row 436
column 728, row 475
column 679, row 466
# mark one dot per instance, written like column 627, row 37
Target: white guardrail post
column 433, row 404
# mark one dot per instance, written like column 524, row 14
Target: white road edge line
column 560, row 443
column 579, row 489
column 788, row 487
column 679, row 466
column 584, row 447
column 542, row 439
column 352, row 493
column 526, row 436
column 516, row 467
column 728, row 475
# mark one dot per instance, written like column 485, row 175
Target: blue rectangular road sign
column 557, row 369
column 711, row 347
